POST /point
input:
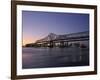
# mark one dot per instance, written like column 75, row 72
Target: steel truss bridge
column 54, row 40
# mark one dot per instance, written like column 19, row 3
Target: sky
column 37, row 25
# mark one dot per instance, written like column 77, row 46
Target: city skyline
column 37, row 25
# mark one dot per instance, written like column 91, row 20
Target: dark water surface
column 54, row 57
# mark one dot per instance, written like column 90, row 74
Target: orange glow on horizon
column 28, row 40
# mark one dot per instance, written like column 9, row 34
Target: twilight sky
column 37, row 25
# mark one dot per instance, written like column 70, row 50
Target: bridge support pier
column 51, row 44
column 66, row 44
column 61, row 44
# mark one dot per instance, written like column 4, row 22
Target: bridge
column 73, row 39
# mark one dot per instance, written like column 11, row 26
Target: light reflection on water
column 54, row 57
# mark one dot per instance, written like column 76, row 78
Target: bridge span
column 65, row 40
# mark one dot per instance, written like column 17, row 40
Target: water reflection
column 54, row 57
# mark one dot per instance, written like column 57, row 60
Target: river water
column 54, row 57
